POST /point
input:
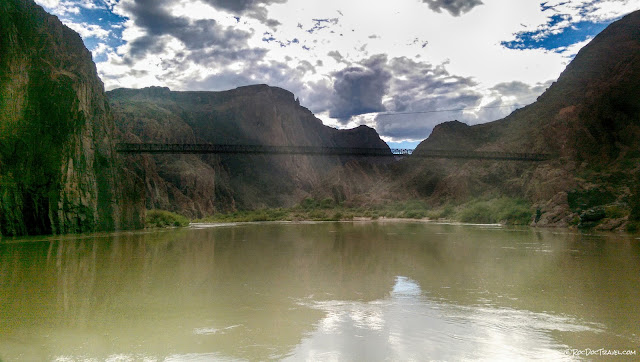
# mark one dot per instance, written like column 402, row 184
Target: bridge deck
column 133, row 148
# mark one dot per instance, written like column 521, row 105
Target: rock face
column 58, row 171
column 199, row 185
column 590, row 118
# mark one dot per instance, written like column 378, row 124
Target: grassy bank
column 498, row 210
column 162, row 218
column 501, row 210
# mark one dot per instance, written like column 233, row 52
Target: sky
column 400, row 66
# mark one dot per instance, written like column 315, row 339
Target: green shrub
column 616, row 211
column 575, row 221
column 477, row 212
column 308, row 203
column 501, row 210
column 392, row 214
column 513, row 211
column 443, row 213
column 415, row 214
column 447, row 211
column 586, row 199
column 162, row 218
column 416, row 205
column 317, row 215
column 279, row 214
column 326, row 203
column 258, row 216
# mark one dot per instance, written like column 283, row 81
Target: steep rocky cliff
column 198, row 185
column 58, row 171
column 589, row 118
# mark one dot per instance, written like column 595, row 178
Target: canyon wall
column 58, row 168
column 589, row 119
column 199, row 185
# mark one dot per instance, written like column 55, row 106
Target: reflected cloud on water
column 408, row 325
column 319, row 291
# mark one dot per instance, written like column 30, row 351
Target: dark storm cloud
column 417, row 85
column 508, row 97
column 521, row 90
column 359, row 89
column 418, row 126
column 454, row 7
column 314, row 95
column 407, row 86
column 424, row 93
column 153, row 16
column 222, row 57
column 305, row 66
column 336, row 56
column 221, row 81
column 425, row 96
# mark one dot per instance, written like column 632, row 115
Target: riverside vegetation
column 162, row 218
column 489, row 210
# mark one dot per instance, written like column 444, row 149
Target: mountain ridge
column 256, row 114
column 589, row 118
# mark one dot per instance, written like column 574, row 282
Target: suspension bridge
column 229, row 149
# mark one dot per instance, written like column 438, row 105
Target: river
column 320, row 291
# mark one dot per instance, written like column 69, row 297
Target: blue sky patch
column 543, row 38
column 102, row 17
column 404, row 144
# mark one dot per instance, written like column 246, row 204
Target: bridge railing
column 133, row 148
column 491, row 155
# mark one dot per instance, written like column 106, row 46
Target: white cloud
column 60, row 8
column 50, row 4
column 100, row 49
column 585, row 10
column 307, row 46
column 89, row 30
column 90, row 4
column 573, row 49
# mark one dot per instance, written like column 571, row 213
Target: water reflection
column 327, row 290
column 407, row 325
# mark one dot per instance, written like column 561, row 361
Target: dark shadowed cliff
column 198, row 185
column 58, row 169
column 589, row 118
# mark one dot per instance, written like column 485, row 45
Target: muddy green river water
column 370, row 291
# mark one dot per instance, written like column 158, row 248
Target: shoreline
column 359, row 220
column 204, row 225
column 385, row 220
column 354, row 220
